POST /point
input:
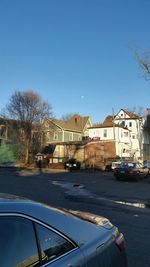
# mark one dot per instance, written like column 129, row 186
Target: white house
column 135, row 124
column 109, row 131
column 146, row 137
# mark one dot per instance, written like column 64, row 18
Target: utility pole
column 113, row 124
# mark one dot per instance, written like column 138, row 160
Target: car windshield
column 72, row 160
column 128, row 165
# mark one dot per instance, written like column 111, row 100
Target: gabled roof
column 108, row 119
column 107, row 124
column 130, row 114
column 75, row 123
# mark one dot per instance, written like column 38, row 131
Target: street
column 126, row 204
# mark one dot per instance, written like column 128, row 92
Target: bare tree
column 28, row 108
column 143, row 60
column 137, row 110
column 68, row 116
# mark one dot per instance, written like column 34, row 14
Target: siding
column 71, row 136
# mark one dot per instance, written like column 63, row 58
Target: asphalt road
column 126, row 204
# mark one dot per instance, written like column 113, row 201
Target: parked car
column 8, row 165
column 147, row 164
column 73, row 164
column 131, row 170
column 34, row 234
column 115, row 164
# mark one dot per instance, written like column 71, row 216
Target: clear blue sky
column 75, row 53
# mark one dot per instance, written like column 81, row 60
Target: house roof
column 109, row 118
column 130, row 114
column 107, row 124
column 75, row 123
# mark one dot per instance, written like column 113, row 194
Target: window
column 17, row 243
column 133, row 136
column 125, row 134
column 130, row 124
column 55, row 136
column 105, row 132
column 123, row 123
column 52, row 245
column 70, row 136
column 127, row 164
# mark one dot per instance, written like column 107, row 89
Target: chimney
column 76, row 119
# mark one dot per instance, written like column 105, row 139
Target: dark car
column 34, row 234
column 131, row 170
column 72, row 164
column 147, row 164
